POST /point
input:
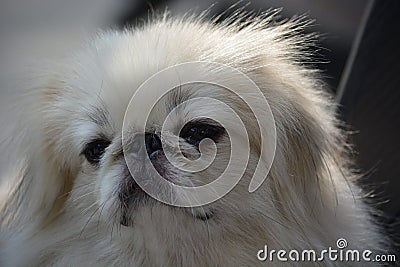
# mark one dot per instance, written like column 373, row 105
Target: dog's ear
column 311, row 149
column 309, row 142
column 37, row 182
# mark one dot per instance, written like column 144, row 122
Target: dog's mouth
column 128, row 207
column 131, row 197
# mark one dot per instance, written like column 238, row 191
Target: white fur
column 55, row 214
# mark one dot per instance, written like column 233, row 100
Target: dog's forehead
column 179, row 104
column 121, row 64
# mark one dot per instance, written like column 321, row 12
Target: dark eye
column 95, row 150
column 194, row 132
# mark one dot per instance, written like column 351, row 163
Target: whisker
column 84, row 195
column 87, row 222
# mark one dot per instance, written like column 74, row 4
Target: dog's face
column 87, row 135
column 112, row 156
column 107, row 150
column 89, row 141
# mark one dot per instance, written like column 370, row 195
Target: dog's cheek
column 107, row 182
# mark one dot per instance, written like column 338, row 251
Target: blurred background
column 359, row 59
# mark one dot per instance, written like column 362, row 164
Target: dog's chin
column 128, row 213
column 133, row 202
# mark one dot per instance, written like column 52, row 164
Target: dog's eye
column 194, row 132
column 95, row 150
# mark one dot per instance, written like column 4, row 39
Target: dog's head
column 91, row 154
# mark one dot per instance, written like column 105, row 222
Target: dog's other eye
column 95, row 150
column 194, row 132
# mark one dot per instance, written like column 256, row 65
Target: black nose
column 153, row 143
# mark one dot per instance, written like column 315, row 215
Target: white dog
column 74, row 202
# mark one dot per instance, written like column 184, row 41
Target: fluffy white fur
column 62, row 211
